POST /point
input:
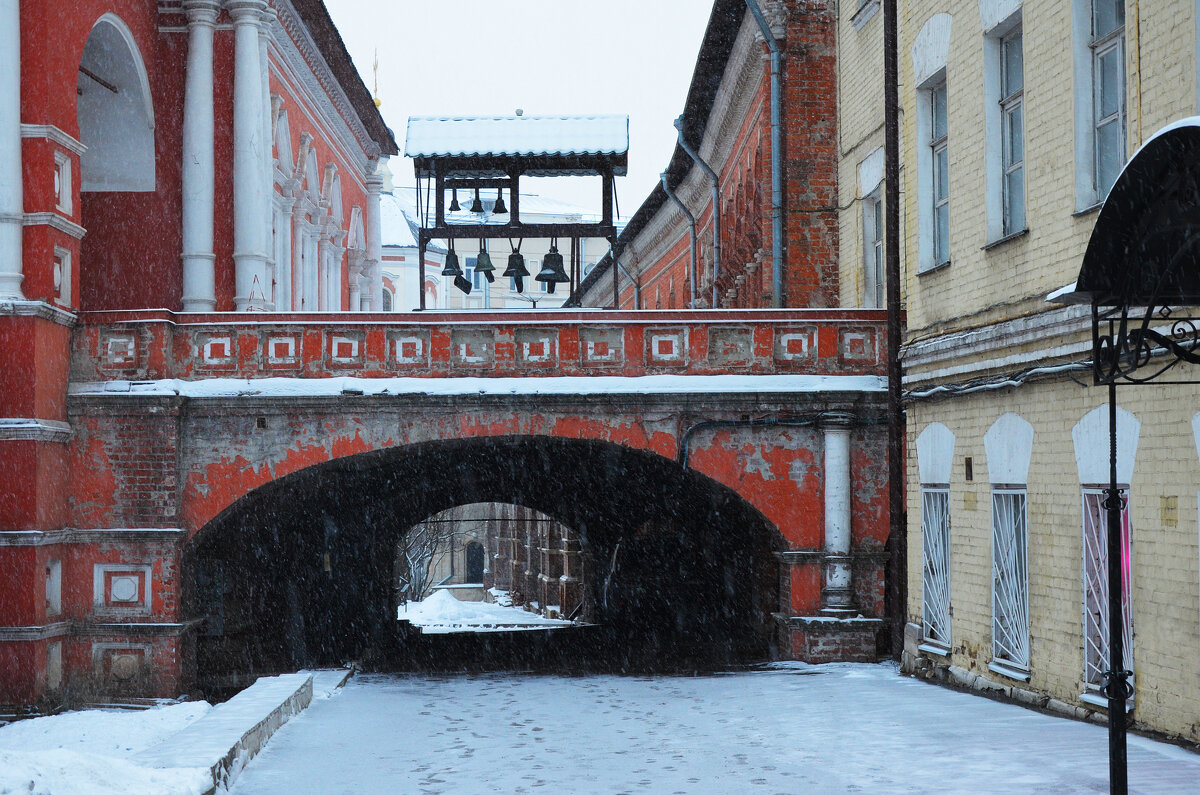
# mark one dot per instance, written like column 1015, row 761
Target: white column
column 356, row 296
column 283, row 257
column 374, row 242
column 199, row 287
column 12, row 201
column 837, row 593
column 249, row 238
column 322, row 291
column 299, row 227
column 268, row 158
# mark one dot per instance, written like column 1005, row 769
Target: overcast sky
column 568, row 57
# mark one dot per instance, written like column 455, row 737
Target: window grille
column 1010, row 578
column 935, row 568
column 1012, row 113
column 1095, row 589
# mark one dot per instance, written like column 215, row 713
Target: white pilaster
column 283, row 256
column 199, row 285
column 837, row 593
column 249, row 238
column 268, row 159
column 374, row 243
column 12, row 201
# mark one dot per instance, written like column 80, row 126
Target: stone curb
column 232, row 733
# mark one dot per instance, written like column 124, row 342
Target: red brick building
column 193, row 155
column 727, row 122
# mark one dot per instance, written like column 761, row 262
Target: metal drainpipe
column 716, row 199
column 691, row 219
column 776, row 156
column 637, row 284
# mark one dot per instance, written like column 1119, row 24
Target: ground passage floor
column 784, row 728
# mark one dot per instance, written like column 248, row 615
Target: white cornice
column 292, row 38
column 1042, row 326
column 54, row 135
column 54, row 221
column 22, row 429
column 25, row 308
column 70, row 535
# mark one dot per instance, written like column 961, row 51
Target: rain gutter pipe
column 776, row 155
column 637, row 285
column 716, row 200
column 691, row 219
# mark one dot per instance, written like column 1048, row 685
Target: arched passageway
column 679, row 570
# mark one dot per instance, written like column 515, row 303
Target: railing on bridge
column 154, row 344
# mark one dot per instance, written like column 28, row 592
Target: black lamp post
column 1140, row 273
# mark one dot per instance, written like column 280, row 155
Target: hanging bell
column 499, row 208
column 516, row 267
column 454, row 205
column 452, row 268
column 552, row 268
column 483, row 264
column 463, row 284
column 477, row 206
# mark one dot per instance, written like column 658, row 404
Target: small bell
column 499, row 208
column 452, row 268
column 552, row 268
column 516, row 266
column 454, row 205
column 483, row 264
column 477, row 205
column 463, row 284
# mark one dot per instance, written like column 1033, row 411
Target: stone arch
column 677, row 560
column 115, row 111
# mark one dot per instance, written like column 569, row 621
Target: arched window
column 387, row 300
column 115, row 113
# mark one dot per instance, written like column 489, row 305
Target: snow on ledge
column 556, row 385
column 441, row 613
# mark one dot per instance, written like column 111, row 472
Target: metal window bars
column 935, row 568
column 1010, row 578
column 1095, row 590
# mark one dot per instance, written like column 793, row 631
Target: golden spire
column 378, row 101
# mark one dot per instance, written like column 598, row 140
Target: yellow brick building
column 1015, row 120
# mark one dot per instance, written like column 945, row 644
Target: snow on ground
column 787, row 728
column 87, row 751
column 441, row 613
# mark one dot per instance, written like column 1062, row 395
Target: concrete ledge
column 231, row 734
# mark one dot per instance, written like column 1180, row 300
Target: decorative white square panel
column 121, row 663
column 472, row 347
column 345, row 348
column 601, row 347
column 121, row 587
column 408, row 348
column 536, row 346
column 797, row 344
column 858, row 345
column 120, row 350
column 217, row 350
column 666, row 347
column 282, row 351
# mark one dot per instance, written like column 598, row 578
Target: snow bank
column 89, row 752
column 441, row 613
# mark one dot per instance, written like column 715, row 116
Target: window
column 62, row 275
column 1100, row 116
column 1108, row 91
column 938, row 139
column 63, row 192
column 935, row 565
column 53, row 587
column 873, row 281
column 1095, row 592
column 387, row 300
column 1010, row 582
column 1012, row 114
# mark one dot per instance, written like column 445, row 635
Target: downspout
column 776, row 156
column 637, row 284
column 716, row 200
column 691, row 219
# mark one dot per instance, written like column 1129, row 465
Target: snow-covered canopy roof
column 552, row 145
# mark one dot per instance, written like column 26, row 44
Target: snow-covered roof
column 457, row 136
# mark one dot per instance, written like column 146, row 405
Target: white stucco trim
column 1090, row 436
column 935, row 453
column 993, row 13
column 1008, row 445
column 931, row 49
column 870, row 172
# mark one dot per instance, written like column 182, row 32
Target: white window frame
column 873, row 274
column 1001, row 103
column 939, row 145
column 1094, row 575
column 1089, row 49
column 928, row 148
column 63, row 188
column 1010, row 581
column 935, row 568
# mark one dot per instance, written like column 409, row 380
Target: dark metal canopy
column 1145, row 245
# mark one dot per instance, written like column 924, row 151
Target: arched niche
column 115, row 111
column 283, row 144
